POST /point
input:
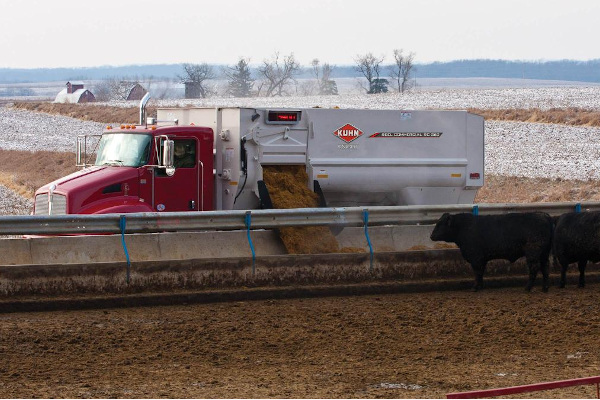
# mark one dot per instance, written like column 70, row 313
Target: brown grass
column 567, row 116
column 25, row 171
column 88, row 112
column 503, row 189
column 130, row 115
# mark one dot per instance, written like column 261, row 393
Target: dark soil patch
column 412, row 345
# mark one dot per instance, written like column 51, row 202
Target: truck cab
column 137, row 168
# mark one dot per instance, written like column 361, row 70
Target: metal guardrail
column 261, row 219
column 537, row 387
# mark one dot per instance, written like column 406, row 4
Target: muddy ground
column 407, row 345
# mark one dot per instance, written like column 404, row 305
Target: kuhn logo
column 348, row 133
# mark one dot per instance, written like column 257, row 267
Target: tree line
column 566, row 70
column 277, row 76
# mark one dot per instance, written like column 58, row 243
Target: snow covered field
column 346, row 86
column 496, row 98
column 13, row 204
column 512, row 148
column 26, row 130
column 535, row 150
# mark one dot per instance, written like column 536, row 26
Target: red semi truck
column 199, row 159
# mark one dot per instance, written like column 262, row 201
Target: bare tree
column 196, row 77
column 315, row 67
column 307, row 87
column 327, row 71
column 148, row 81
column 310, row 87
column 113, row 88
column 327, row 85
column 122, row 89
column 322, row 74
column 160, row 89
column 102, row 90
column 239, row 78
column 278, row 74
column 370, row 67
column 164, row 90
column 400, row 72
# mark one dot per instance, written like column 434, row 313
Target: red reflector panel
column 474, row 175
column 285, row 117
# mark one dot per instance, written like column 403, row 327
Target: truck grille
column 59, row 204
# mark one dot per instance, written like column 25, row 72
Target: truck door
column 179, row 192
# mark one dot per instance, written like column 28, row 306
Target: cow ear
column 445, row 219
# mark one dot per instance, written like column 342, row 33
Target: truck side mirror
column 168, row 158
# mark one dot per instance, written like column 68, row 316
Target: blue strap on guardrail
column 248, row 221
column 366, row 222
column 475, row 210
column 122, row 225
column 578, row 207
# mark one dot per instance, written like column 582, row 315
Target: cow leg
column 546, row 274
column 533, row 270
column 563, row 273
column 479, row 270
column 581, row 264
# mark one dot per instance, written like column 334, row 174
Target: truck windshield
column 123, row 149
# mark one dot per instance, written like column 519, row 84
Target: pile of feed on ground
column 287, row 185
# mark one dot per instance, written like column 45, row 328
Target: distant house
column 75, row 93
column 193, row 90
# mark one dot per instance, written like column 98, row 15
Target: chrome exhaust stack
column 143, row 103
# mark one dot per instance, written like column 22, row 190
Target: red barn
column 75, row 93
column 136, row 92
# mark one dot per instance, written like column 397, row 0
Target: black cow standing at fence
column 576, row 239
column 510, row 236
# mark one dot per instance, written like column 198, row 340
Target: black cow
column 576, row 239
column 510, row 236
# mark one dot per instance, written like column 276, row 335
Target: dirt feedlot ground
column 402, row 345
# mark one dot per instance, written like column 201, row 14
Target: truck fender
column 125, row 209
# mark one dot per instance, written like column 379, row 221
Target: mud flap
column 319, row 192
column 263, row 194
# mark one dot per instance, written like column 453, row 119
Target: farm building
column 135, row 92
column 193, row 90
column 75, row 93
column 121, row 90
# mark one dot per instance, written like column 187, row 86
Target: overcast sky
column 79, row 33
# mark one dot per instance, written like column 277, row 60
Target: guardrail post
column 476, row 210
column 366, row 223
column 248, row 221
column 122, row 225
column 578, row 207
